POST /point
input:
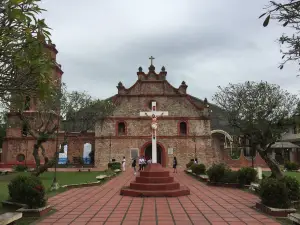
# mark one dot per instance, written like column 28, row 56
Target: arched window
column 183, row 128
column 21, row 158
column 24, row 130
column 27, row 103
column 121, row 128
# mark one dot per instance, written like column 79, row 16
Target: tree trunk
column 36, row 147
column 43, row 168
column 36, row 155
column 273, row 165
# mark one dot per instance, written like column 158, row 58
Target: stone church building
column 193, row 128
column 187, row 125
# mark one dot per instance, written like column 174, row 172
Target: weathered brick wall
column 14, row 146
column 176, row 106
column 142, row 127
column 139, row 130
column 150, row 88
column 184, row 150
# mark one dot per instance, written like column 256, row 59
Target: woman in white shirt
column 123, row 163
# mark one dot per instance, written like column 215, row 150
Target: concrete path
column 206, row 205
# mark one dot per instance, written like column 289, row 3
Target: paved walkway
column 205, row 205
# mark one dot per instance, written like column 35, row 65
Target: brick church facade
column 192, row 129
column 184, row 133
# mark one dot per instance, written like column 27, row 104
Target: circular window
column 21, row 158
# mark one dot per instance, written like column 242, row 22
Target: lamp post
column 110, row 134
column 55, row 185
column 194, row 140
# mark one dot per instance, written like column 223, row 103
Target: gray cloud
column 205, row 43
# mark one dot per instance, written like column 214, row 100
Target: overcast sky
column 205, row 43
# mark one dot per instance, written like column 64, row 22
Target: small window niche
column 183, row 128
column 121, row 128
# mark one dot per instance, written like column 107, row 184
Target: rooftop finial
column 151, row 60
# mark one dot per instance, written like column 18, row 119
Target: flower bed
column 276, row 212
column 38, row 212
column 221, row 175
column 27, row 192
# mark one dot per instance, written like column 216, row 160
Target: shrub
column 114, row 165
column 246, row 175
column 274, row 193
column 27, row 190
column 291, row 166
column 198, row 168
column 189, row 164
column 230, row 177
column 293, row 187
column 216, row 172
column 20, row 168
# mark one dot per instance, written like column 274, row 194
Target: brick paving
column 206, row 205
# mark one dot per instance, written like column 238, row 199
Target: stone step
column 154, row 187
column 10, row 217
column 154, row 179
column 154, row 174
column 182, row 191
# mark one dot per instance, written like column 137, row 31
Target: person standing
column 175, row 164
column 140, row 163
column 144, row 162
column 133, row 166
column 124, row 163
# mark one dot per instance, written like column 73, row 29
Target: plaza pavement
column 206, row 205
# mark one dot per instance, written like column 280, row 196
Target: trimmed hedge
column 246, row 175
column 198, row 169
column 291, row 166
column 114, row 165
column 279, row 193
column 20, row 168
column 27, row 190
column 274, row 193
column 189, row 164
column 293, row 187
column 216, row 172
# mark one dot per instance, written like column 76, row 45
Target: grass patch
column 63, row 178
column 291, row 174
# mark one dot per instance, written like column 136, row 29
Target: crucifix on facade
column 154, row 114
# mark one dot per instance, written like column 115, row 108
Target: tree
column 42, row 123
column 259, row 111
column 81, row 112
column 25, row 63
column 3, row 126
column 288, row 15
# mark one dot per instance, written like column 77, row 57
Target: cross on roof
column 151, row 59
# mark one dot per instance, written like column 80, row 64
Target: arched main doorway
column 146, row 150
column 148, row 153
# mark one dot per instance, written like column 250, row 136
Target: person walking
column 174, row 164
column 133, row 166
column 144, row 162
column 124, row 163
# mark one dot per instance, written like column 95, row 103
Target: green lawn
column 291, row 174
column 47, row 178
